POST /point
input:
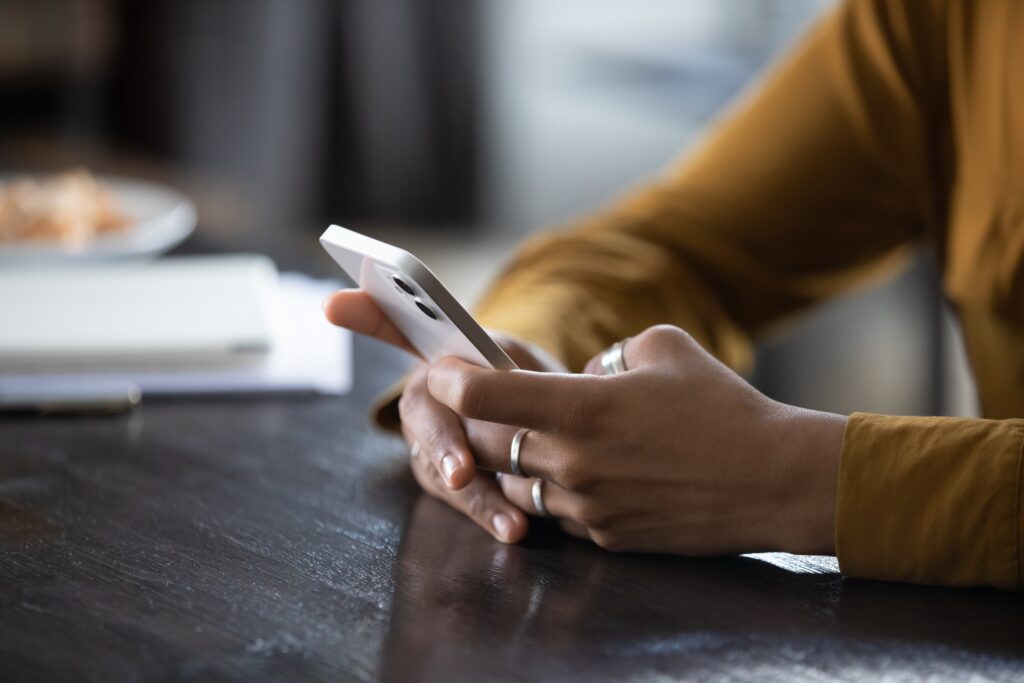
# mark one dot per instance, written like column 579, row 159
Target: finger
column 595, row 366
column 519, row 491
column 481, row 500
column 665, row 346
column 438, row 431
column 540, row 454
column 357, row 311
column 549, row 401
column 527, row 355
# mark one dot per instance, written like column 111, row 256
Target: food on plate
column 72, row 208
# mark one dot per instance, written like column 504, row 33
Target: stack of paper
column 213, row 324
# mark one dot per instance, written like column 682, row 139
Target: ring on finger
column 517, row 443
column 613, row 360
column 538, row 497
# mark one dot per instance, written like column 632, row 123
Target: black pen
column 111, row 399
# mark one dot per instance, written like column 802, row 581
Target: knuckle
column 468, row 396
column 662, row 336
column 433, row 438
column 475, row 505
column 574, row 475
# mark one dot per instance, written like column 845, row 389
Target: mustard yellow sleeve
column 931, row 500
column 815, row 181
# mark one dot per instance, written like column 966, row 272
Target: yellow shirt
column 893, row 124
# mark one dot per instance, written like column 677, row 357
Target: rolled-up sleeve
column 931, row 500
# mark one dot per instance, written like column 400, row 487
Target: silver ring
column 613, row 361
column 538, row 497
column 517, row 442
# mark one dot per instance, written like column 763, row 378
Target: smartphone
column 414, row 299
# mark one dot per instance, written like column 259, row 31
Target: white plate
column 160, row 218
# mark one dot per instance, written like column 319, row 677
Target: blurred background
column 451, row 127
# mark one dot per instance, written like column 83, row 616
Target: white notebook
column 185, row 311
column 307, row 354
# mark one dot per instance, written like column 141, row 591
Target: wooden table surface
column 283, row 539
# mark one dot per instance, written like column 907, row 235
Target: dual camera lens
column 405, row 287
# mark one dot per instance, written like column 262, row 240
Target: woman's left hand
column 677, row 454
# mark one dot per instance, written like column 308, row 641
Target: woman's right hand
column 440, row 456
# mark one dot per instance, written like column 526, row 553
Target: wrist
column 811, row 450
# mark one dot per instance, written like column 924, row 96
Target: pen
column 110, row 399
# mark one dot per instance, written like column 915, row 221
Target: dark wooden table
column 283, row 539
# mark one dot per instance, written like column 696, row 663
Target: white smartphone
column 414, row 299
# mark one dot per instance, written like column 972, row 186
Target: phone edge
column 448, row 304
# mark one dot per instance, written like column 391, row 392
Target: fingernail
column 503, row 525
column 448, row 465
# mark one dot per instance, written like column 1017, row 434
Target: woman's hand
column 441, row 459
column 677, row 454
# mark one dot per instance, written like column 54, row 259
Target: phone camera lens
column 403, row 285
column 427, row 311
